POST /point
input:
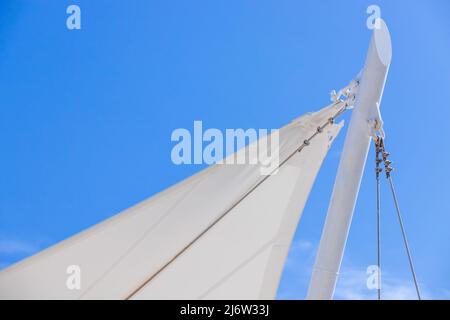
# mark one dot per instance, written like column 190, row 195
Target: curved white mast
column 351, row 167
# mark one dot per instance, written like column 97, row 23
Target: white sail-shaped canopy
column 224, row 233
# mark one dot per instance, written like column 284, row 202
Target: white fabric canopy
column 180, row 244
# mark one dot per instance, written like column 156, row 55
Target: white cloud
column 3, row 264
column 301, row 245
column 297, row 269
column 17, row 247
column 300, row 250
column 352, row 281
column 14, row 250
column 352, row 286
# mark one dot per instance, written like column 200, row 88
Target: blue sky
column 86, row 116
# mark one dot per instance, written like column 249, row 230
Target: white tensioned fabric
column 159, row 248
